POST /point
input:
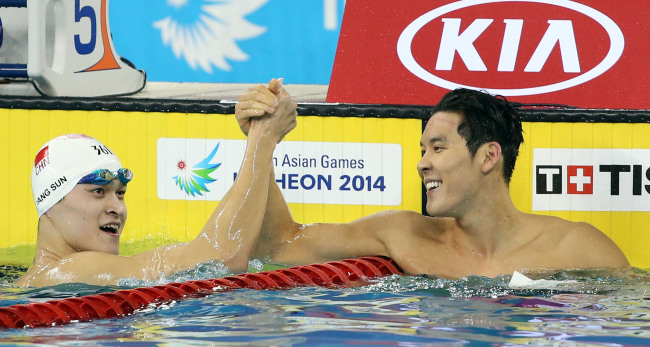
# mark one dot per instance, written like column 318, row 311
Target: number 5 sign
column 70, row 51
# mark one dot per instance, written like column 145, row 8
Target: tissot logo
column 545, row 45
column 580, row 179
column 549, row 179
column 591, row 179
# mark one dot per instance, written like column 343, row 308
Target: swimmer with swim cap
column 79, row 188
column 72, row 159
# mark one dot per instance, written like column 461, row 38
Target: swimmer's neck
column 51, row 247
column 489, row 225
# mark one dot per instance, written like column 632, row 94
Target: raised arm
column 281, row 238
column 229, row 235
column 232, row 230
column 278, row 223
column 234, row 226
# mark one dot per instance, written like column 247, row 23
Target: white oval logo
column 617, row 44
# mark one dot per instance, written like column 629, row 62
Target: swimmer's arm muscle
column 321, row 242
column 228, row 236
column 586, row 247
column 232, row 230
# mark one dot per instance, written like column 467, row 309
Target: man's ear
column 491, row 153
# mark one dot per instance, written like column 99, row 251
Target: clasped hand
column 266, row 111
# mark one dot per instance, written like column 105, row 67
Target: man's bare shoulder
column 408, row 221
column 581, row 245
column 82, row 267
column 401, row 228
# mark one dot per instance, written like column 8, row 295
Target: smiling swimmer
column 79, row 188
column 72, row 159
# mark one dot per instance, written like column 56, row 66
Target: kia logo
column 460, row 36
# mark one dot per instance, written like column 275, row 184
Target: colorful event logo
column 205, row 32
column 344, row 173
column 195, row 182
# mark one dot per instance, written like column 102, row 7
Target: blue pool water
column 590, row 309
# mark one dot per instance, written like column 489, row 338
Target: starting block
column 62, row 48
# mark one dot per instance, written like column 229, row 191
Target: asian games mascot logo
column 204, row 31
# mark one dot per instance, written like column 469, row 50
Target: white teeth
column 432, row 185
column 110, row 227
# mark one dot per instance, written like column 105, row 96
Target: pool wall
column 139, row 132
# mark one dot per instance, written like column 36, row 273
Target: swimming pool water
column 398, row 310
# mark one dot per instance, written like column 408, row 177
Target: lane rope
column 121, row 303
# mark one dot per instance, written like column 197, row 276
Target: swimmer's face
column 91, row 217
column 447, row 168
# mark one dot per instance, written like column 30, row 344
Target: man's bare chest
column 433, row 258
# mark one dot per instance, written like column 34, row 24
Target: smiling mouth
column 109, row 228
column 432, row 185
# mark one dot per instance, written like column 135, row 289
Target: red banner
column 587, row 53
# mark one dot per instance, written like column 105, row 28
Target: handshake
column 266, row 111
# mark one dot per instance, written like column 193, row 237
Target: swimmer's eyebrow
column 436, row 139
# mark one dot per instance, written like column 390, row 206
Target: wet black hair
column 486, row 118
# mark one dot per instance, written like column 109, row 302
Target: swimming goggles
column 105, row 176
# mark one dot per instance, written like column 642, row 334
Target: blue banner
column 228, row 41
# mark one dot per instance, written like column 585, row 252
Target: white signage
column 306, row 172
column 566, row 179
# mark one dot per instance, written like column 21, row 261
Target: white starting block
column 62, row 48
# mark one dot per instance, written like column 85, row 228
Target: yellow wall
column 133, row 135
column 628, row 229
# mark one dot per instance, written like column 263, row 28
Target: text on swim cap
column 56, row 184
column 101, row 149
column 42, row 160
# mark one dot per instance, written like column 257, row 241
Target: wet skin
column 90, row 218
